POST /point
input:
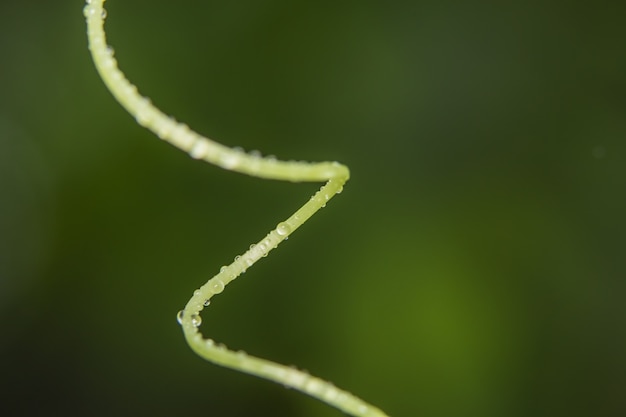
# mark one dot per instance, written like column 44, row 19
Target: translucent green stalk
column 180, row 135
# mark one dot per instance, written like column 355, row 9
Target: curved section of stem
column 180, row 135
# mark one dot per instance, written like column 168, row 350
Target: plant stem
column 180, row 135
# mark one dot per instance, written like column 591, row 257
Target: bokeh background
column 475, row 265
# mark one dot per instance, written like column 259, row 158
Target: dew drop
column 196, row 292
column 200, row 149
column 164, row 128
column 266, row 246
column 143, row 111
column 331, row 393
column 229, row 160
column 222, row 269
column 130, row 90
column 179, row 316
column 103, row 14
column 217, row 286
column 109, row 62
column 89, row 10
column 206, row 303
column 283, row 229
column 196, row 320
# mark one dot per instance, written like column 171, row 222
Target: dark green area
column 475, row 265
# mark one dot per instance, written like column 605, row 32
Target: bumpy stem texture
column 180, row 135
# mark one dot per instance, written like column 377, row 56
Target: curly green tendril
column 197, row 146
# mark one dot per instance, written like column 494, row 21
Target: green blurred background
column 474, row 266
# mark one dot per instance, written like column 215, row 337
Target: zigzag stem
column 178, row 134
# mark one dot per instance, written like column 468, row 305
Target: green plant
column 180, row 135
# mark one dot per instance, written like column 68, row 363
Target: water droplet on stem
column 196, row 320
column 217, row 286
column 283, row 229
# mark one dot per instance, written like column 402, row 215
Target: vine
column 180, row 135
